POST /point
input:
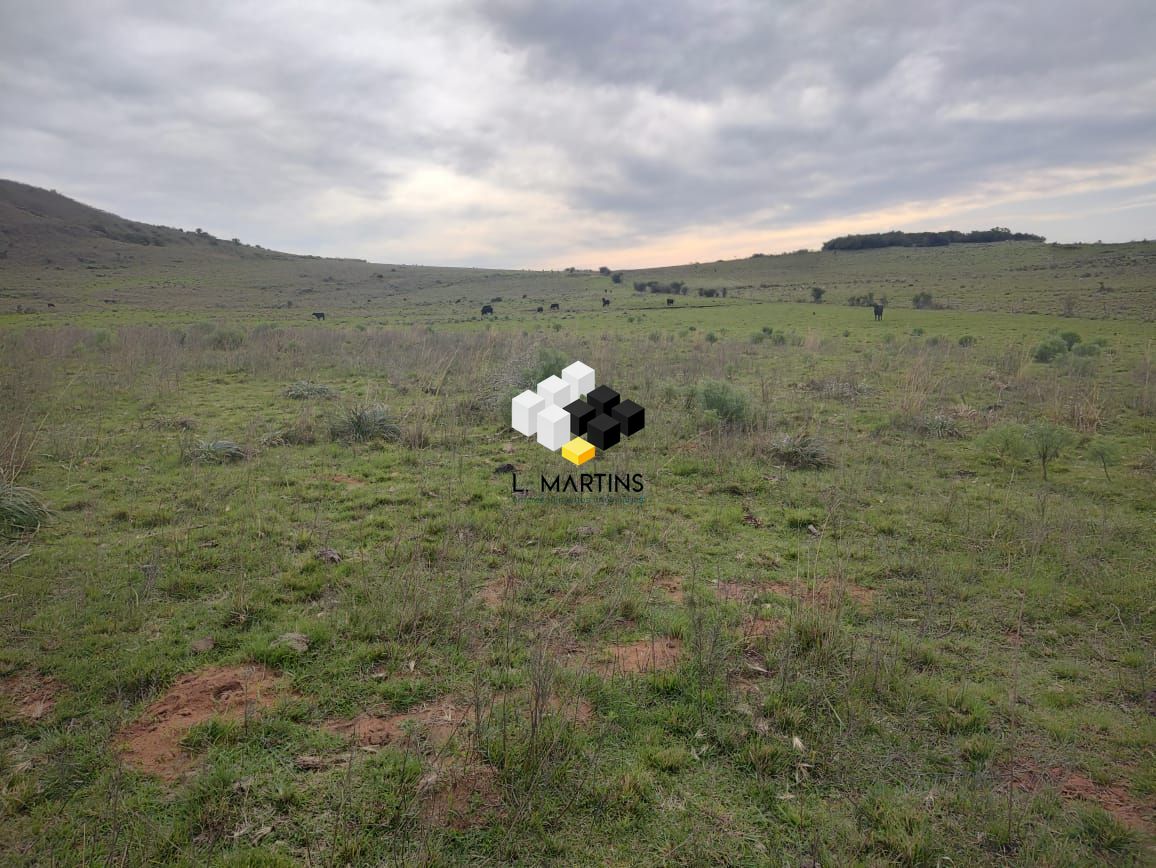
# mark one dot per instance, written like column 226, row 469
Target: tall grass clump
column 801, row 452
column 215, row 452
column 364, row 423
column 21, row 510
column 303, row 390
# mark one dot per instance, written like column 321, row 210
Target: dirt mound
column 461, row 797
column 1026, row 776
column 436, row 724
column 153, row 743
column 646, row 655
column 497, row 591
column 32, row 696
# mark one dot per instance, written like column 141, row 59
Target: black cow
column 554, row 306
column 539, row 310
column 670, row 302
column 319, row 315
column 878, row 311
column 487, row 308
column 606, row 302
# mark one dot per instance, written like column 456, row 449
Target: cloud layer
column 525, row 133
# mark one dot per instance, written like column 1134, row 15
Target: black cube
column 630, row 416
column 602, row 399
column 603, row 431
column 580, row 415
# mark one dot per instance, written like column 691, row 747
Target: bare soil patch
column 153, row 743
column 671, row 585
column 436, row 724
column 32, row 696
column 461, row 796
column 646, row 655
column 351, row 481
column 497, row 591
column 1026, row 776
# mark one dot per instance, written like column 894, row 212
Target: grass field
column 851, row 622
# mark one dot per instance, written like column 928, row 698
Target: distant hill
column 926, row 239
column 42, row 227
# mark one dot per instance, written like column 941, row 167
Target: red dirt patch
column 32, row 696
column 437, row 723
column 461, row 797
column 646, row 655
column 671, row 585
column 1026, row 776
column 347, row 480
column 153, row 743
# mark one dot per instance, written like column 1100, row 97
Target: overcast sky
column 580, row 132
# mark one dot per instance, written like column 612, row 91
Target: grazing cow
column 487, row 308
column 878, row 311
column 539, row 310
column 318, row 315
column 606, row 302
column 670, row 302
column 554, row 306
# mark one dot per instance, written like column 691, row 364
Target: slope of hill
column 42, row 227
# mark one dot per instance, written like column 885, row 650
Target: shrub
column 549, row 363
column 303, row 389
column 817, row 293
column 1086, row 350
column 1106, row 452
column 801, row 451
column 1070, row 338
column 724, row 401
column 227, row 339
column 363, row 423
column 1049, row 349
column 1003, row 444
column 967, row 341
column 922, row 301
column 1047, row 442
column 216, row 452
column 21, row 510
column 711, row 338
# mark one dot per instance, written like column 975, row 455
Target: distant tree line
column 926, row 239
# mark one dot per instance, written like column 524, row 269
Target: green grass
column 884, row 653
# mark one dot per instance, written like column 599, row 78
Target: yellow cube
column 578, row 451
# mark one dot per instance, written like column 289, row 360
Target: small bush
column 1047, row 442
column 967, row 341
column 724, row 401
column 303, row 390
column 1070, row 338
column 922, row 301
column 801, row 451
column 1049, row 349
column 1003, row 444
column 216, row 452
column 21, row 510
column 364, row 423
column 1086, row 350
column 227, row 339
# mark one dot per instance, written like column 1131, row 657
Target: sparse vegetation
column 801, row 452
column 22, row 510
column 303, row 390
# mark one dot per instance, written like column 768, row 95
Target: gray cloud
column 517, row 132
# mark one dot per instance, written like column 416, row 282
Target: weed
column 363, row 423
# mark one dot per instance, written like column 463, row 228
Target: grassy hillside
column 285, row 608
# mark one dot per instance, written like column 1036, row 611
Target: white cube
column 554, row 427
column 581, row 377
column 524, row 412
column 556, row 391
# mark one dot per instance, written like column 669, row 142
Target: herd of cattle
column 488, row 309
